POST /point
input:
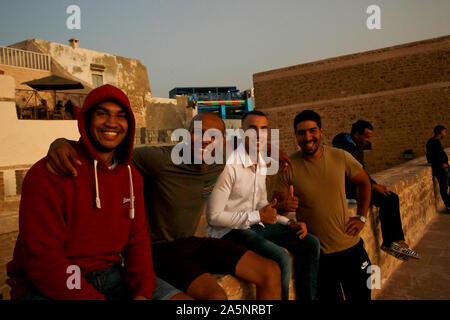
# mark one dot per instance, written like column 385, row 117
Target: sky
column 223, row 43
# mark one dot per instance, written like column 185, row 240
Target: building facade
column 404, row 91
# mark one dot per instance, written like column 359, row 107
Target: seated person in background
column 85, row 238
column 391, row 225
column 238, row 211
column 438, row 159
column 59, row 106
column 175, row 196
column 68, row 108
column 42, row 110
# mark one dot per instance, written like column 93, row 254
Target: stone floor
column 429, row 277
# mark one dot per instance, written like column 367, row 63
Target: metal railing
column 25, row 59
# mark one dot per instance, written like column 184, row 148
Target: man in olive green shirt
column 318, row 177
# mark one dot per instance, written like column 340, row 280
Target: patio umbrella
column 54, row 83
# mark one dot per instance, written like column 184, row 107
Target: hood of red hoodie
column 107, row 92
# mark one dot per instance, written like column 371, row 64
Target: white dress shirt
column 240, row 192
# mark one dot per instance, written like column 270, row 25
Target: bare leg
column 181, row 296
column 263, row 272
column 205, row 287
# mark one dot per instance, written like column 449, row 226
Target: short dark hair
column 253, row 113
column 438, row 129
column 360, row 126
column 306, row 115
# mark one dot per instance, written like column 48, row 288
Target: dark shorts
column 180, row 262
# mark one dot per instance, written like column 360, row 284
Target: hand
column 291, row 203
column 381, row 189
column 301, row 227
column 353, row 227
column 268, row 214
column 61, row 158
column 284, row 160
column 444, row 166
column 140, row 298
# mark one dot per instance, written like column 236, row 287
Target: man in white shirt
column 238, row 211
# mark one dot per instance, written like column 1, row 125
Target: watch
column 362, row 218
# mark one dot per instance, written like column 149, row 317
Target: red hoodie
column 87, row 220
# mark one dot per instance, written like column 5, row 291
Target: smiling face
column 108, row 126
column 309, row 137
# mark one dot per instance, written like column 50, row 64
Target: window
column 97, row 80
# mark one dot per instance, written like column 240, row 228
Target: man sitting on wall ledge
column 391, row 225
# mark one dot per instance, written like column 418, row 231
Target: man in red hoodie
column 86, row 237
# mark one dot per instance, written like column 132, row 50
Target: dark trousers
column 390, row 220
column 344, row 275
column 442, row 176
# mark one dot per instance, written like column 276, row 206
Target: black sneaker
column 397, row 255
column 406, row 251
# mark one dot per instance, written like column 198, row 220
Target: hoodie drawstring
column 97, row 193
column 131, row 194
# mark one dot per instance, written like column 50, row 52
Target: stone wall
column 403, row 91
column 164, row 116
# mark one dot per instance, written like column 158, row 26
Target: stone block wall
column 404, row 91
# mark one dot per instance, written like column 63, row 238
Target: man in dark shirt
column 438, row 159
column 391, row 225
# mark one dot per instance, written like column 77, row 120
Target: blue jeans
column 268, row 240
column 111, row 283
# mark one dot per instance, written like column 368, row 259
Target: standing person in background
column 438, row 159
